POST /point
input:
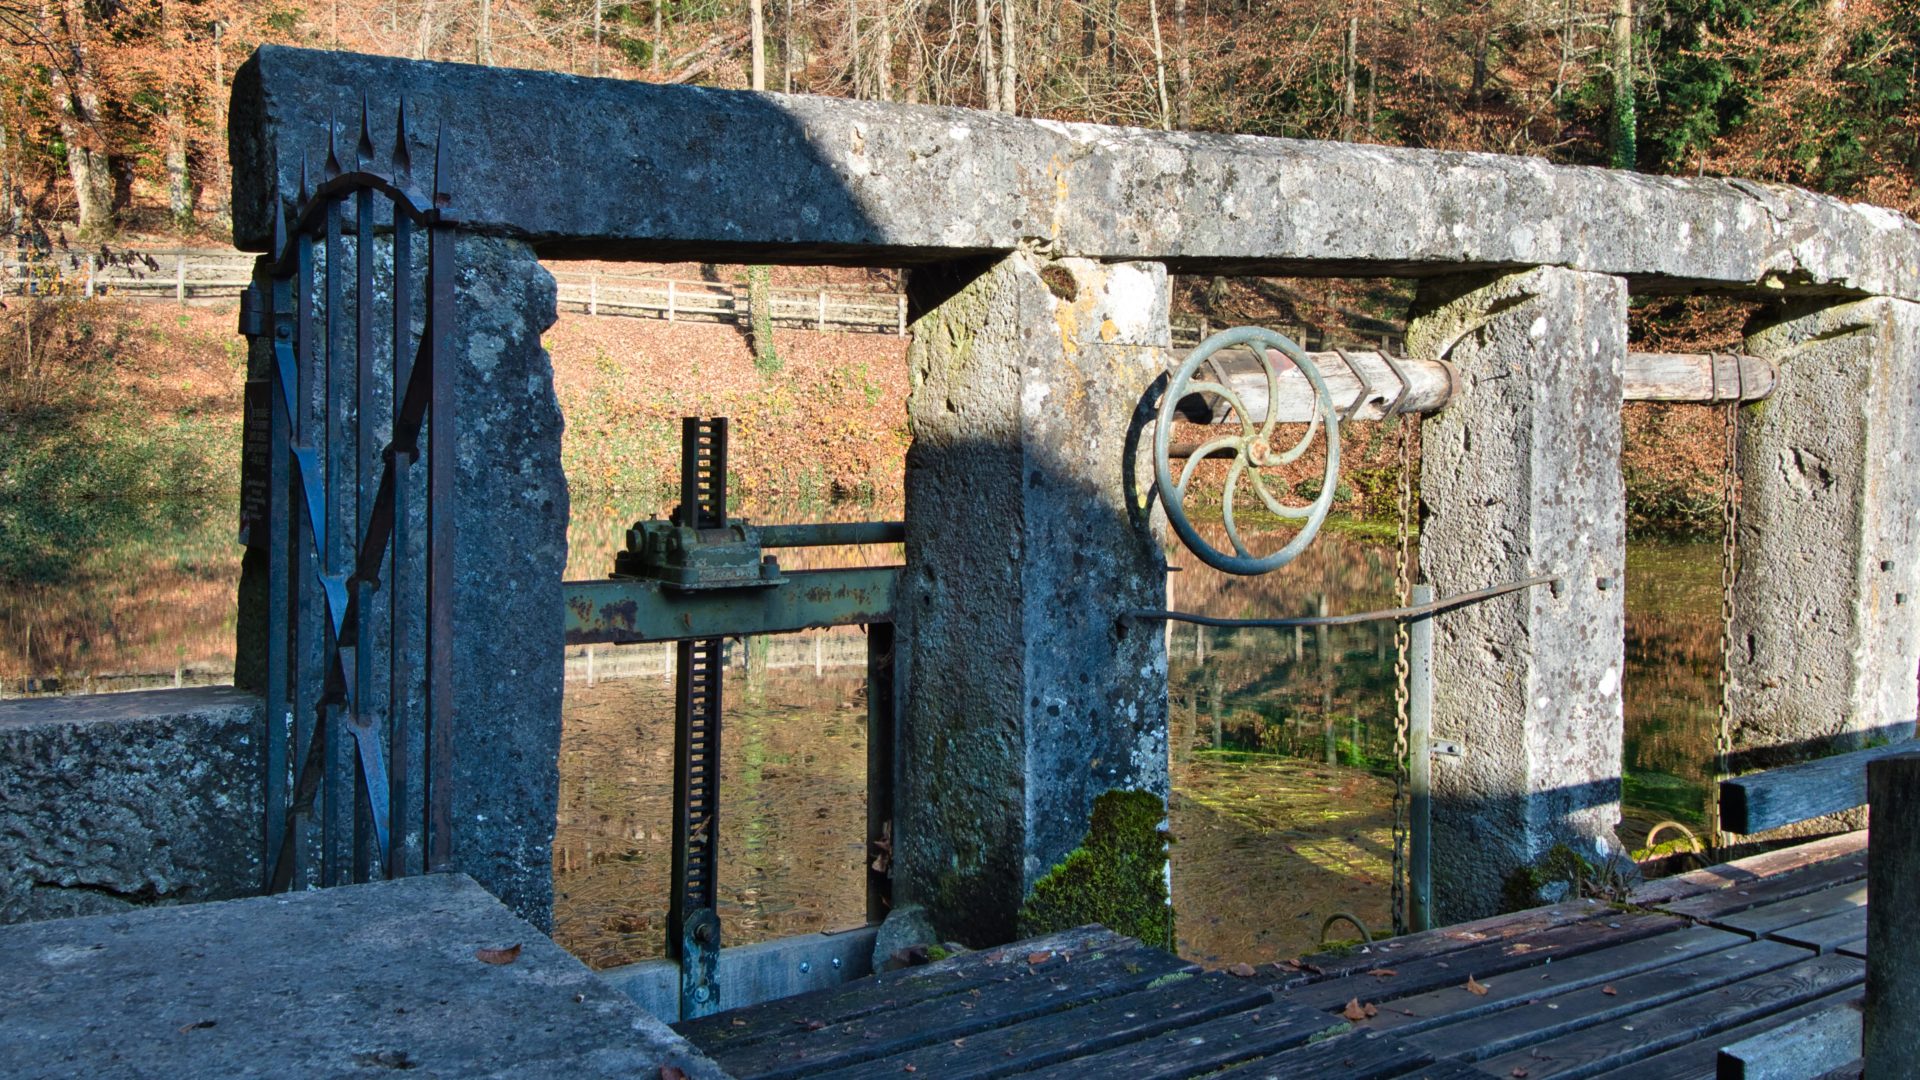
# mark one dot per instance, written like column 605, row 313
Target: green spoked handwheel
column 1250, row 450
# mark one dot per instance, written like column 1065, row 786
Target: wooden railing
column 186, row 275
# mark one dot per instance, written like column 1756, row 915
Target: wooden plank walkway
column 1641, row 991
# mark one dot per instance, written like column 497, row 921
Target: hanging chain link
column 1403, row 591
column 1729, row 566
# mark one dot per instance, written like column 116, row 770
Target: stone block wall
column 114, row 801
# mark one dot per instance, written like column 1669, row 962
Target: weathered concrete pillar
column 1521, row 477
column 1827, row 602
column 1027, row 697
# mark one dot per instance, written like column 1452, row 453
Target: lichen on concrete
column 1117, row 877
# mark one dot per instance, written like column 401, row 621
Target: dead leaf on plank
column 1474, row 987
column 1039, row 957
column 1355, row 1011
column 1609, row 991
column 498, row 956
column 1383, row 973
column 1242, row 970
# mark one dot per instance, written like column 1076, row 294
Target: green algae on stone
column 1117, row 877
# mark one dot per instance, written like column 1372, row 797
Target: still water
column 1280, row 813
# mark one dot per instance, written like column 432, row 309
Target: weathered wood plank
column 1482, row 961
column 1203, row 1047
column 1893, row 948
column 1813, row 1044
column 1644, row 1034
column 895, row 989
column 1549, row 1018
column 1830, row 934
column 1020, row 996
column 1075, row 1033
column 1748, row 871
column 1361, row 1056
column 1795, row 793
column 1563, row 975
column 1802, row 882
column 1696, row 1060
column 1766, row 919
column 1438, row 942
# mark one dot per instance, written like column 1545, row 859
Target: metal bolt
column 701, row 993
column 1604, row 583
column 836, row 963
column 806, row 967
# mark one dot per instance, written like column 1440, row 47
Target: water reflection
column 1281, row 740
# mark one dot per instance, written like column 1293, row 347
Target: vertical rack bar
column 440, row 527
column 1420, row 766
column 336, row 821
column 693, row 925
column 401, row 857
column 882, row 767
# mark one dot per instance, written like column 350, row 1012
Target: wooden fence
column 189, row 275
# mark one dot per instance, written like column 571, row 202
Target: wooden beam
column 1809, row 1046
column 1794, row 793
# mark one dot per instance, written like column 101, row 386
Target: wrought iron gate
column 345, row 496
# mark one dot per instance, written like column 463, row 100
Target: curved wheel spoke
column 1275, row 506
column 1200, row 455
column 1233, row 399
column 1267, row 368
column 1234, row 471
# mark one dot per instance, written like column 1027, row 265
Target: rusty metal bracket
column 1406, row 384
column 1366, row 387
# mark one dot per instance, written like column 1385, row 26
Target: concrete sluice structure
column 1039, row 258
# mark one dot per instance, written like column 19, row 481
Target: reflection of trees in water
column 105, row 587
column 1269, row 690
column 1276, row 690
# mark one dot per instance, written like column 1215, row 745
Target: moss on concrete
column 1117, row 877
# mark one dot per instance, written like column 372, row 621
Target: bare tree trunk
column 990, row 88
column 883, row 55
column 1349, row 63
column 1159, row 65
column 659, row 49
column 786, row 49
column 599, row 12
column 483, row 43
column 1009, row 68
column 9, row 206
column 757, row 29
column 916, row 62
column 174, row 119
column 853, row 46
column 78, row 106
column 1184, row 58
column 1623, row 133
column 1113, row 35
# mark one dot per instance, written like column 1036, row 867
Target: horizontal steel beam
column 625, row 610
column 1371, row 385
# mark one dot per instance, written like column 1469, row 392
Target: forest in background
column 112, row 130
column 112, row 112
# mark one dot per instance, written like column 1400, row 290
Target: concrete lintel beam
column 596, row 166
